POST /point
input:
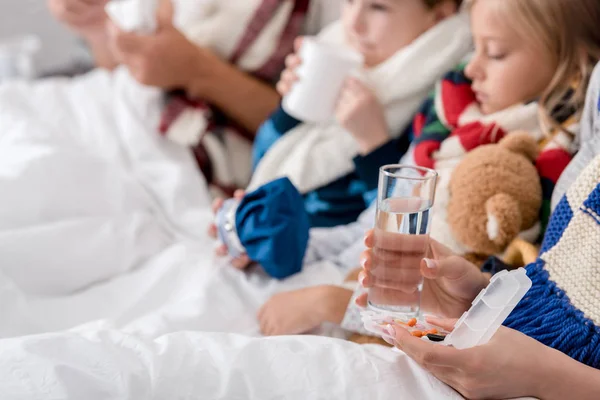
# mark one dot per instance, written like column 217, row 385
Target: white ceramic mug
column 134, row 15
column 17, row 57
column 321, row 75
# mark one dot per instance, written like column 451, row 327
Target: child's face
column 506, row 69
column 379, row 28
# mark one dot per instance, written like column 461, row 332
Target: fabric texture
column 273, row 228
column 562, row 309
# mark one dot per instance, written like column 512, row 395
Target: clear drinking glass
column 17, row 57
column 405, row 197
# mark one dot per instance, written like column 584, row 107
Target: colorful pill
column 436, row 338
column 412, row 322
column 418, row 334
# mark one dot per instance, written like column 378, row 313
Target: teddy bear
column 495, row 193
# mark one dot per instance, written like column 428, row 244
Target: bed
column 108, row 284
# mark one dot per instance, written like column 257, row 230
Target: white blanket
column 88, row 190
column 186, row 366
column 102, row 232
column 102, row 218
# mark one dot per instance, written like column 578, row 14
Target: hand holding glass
column 405, row 197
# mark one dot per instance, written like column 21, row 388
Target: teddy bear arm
column 503, row 219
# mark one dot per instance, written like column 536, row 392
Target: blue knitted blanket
column 562, row 309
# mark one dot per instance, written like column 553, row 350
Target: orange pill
column 432, row 332
column 418, row 334
column 412, row 322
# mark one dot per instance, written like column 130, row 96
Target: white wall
column 59, row 47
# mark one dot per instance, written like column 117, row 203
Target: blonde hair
column 569, row 30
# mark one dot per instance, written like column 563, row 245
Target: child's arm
column 330, row 243
column 301, row 311
column 361, row 114
column 270, row 132
column 367, row 166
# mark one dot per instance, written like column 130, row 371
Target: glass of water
column 405, row 197
column 17, row 57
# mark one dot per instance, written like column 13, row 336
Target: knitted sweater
column 562, row 309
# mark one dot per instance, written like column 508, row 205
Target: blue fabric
column 273, row 226
column 592, row 205
column 560, row 219
column 270, row 132
column 342, row 201
column 546, row 313
column 339, row 203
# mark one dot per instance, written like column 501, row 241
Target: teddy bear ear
column 521, row 142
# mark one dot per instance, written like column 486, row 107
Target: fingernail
column 361, row 280
column 363, row 262
column 391, row 330
column 431, row 264
column 388, row 340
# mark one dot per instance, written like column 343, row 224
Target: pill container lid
column 490, row 309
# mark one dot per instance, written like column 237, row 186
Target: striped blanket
column 562, row 309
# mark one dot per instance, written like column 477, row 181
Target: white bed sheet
column 111, row 365
column 105, row 269
column 103, row 220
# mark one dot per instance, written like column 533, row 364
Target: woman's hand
column 360, row 113
column 85, row 17
column 165, row 59
column 511, row 365
column 451, row 282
